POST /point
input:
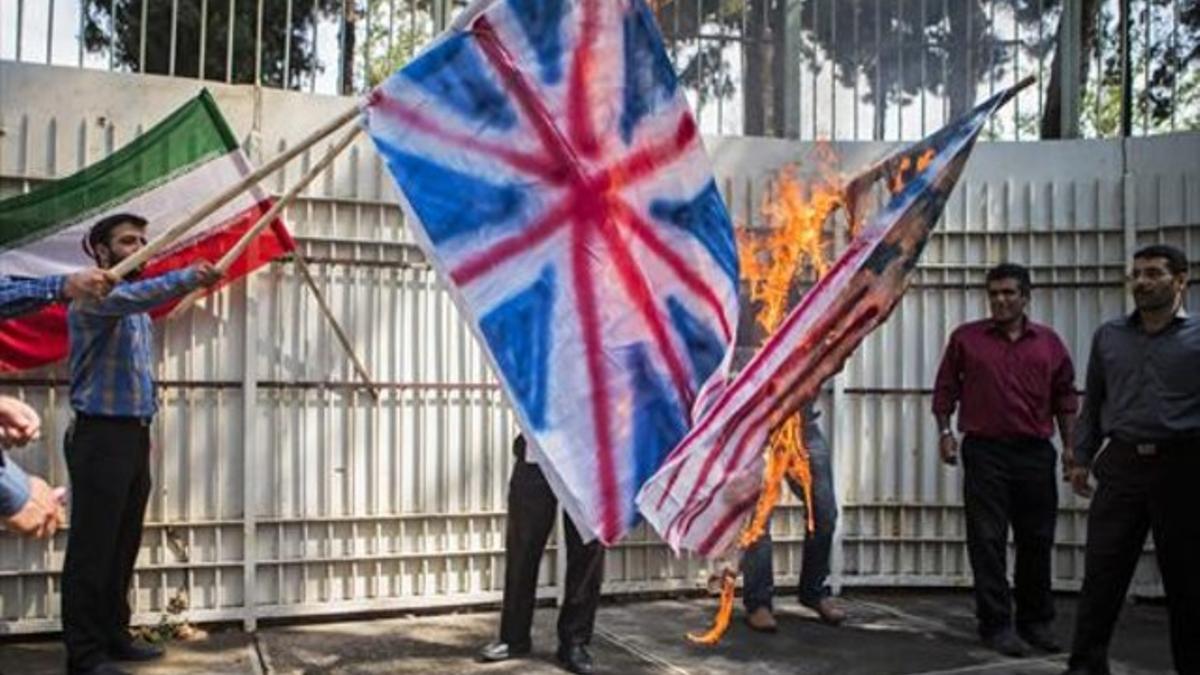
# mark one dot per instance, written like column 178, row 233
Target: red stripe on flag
column 40, row 338
column 855, row 330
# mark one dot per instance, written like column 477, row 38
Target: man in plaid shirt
column 108, row 447
column 27, row 503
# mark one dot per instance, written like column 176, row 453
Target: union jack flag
column 554, row 175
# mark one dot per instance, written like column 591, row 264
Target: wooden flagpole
column 166, row 238
column 280, row 204
column 337, row 328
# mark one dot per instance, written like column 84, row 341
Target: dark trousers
column 531, row 511
column 1010, row 482
column 108, row 461
column 758, row 568
column 1137, row 494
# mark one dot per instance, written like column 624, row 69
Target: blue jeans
column 759, row 579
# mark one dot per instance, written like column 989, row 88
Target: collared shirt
column 112, row 355
column 1005, row 388
column 25, row 296
column 1141, row 387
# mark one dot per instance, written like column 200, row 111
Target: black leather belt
column 115, row 419
column 1152, row 448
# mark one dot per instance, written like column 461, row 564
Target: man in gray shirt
column 1143, row 397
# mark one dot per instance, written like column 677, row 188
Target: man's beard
column 1152, row 300
column 133, row 274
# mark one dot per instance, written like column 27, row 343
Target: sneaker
column 502, row 651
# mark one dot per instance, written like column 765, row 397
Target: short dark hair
column 1011, row 271
column 1177, row 261
column 101, row 231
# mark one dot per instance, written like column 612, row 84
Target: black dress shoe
column 1007, row 643
column 135, row 650
column 502, row 651
column 105, row 668
column 575, row 659
column 1040, row 636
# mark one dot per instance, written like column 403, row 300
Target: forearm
column 144, row 295
column 1066, row 433
column 14, row 488
column 1087, row 437
column 25, row 296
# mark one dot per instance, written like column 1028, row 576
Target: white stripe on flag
column 163, row 205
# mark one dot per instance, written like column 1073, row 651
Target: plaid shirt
column 112, row 354
column 24, row 296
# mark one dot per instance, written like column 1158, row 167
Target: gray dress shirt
column 1141, row 388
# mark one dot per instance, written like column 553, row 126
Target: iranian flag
column 163, row 175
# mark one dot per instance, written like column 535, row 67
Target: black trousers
column 108, row 461
column 531, row 511
column 1006, row 483
column 1136, row 494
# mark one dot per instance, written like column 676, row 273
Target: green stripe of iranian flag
column 161, row 175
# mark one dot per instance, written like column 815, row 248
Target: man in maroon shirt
column 1009, row 378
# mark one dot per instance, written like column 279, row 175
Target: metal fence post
column 1128, row 215
column 249, row 479
column 839, row 442
column 791, row 69
column 250, row 412
column 441, row 15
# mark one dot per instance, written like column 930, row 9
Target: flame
column 796, row 213
column 907, row 169
column 724, row 610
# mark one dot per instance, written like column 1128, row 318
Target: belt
column 1151, row 448
column 114, row 419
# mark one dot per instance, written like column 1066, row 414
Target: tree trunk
column 963, row 68
column 350, row 11
column 755, row 93
column 1051, row 124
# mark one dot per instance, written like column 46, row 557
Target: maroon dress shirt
column 1002, row 388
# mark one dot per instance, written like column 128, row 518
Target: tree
column 1165, row 82
column 394, row 32
column 119, row 23
column 897, row 47
column 903, row 47
column 1051, row 124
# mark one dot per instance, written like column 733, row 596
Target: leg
column 585, row 572
column 1118, row 520
column 758, row 574
column 100, row 479
column 1034, row 495
column 1177, row 545
column 986, row 497
column 531, row 510
column 129, row 538
column 818, row 544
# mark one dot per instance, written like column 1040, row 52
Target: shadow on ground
column 902, row 633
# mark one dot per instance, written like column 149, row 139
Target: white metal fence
column 282, row 489
column 830, row 69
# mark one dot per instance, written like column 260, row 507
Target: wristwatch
column 947, row 432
